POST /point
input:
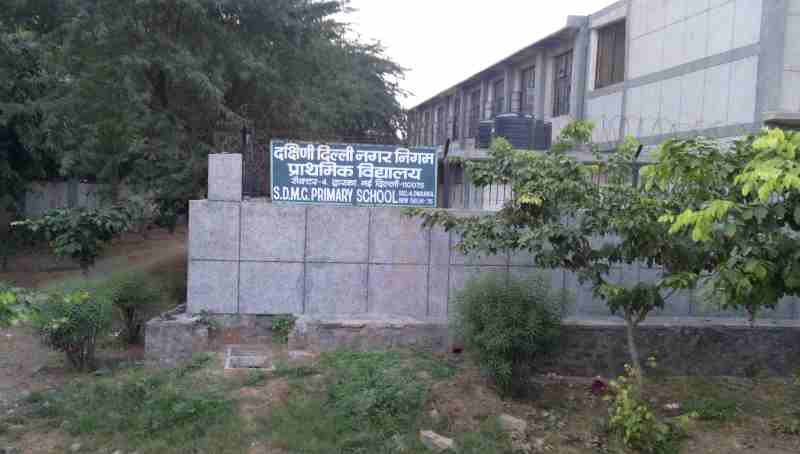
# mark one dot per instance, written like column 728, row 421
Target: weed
column 283, row 369
column 254, row 377
column 282, row 325
column 711, row 409
column 180, row 410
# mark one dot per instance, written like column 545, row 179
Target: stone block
column 696, row 43
column 744, row 76
column 213, row 287
column 168, row 342
column 475, row 258
column 273, row 232
column 670, row 105
column 436, row 442
column 720, row 20
column 747, row 22
column 336, row 288
column 692, row 86
column 225, row 177
column 213, row 230
column 715, row 111
column 337, row 234
column 271, row 288
column 397, row 238
column 399, row 290
column 674, row 36
column 440, row 246
column 438, row 292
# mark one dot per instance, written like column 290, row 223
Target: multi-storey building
column 651, row 69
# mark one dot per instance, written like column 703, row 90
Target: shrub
column 72, row 323
column 282, row 325
column 508, row 326
column 80, row 233
column 634, row 422
column 16, row 304
column 132, row 294
column 710, row 409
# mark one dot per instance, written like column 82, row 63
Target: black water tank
column 542, row 135
column 516, row 128
column 485, row 132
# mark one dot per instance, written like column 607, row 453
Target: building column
column 771, row 57
column 541, row 86
column 580, row 62
column 489, row 91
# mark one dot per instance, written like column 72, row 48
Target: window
column 610, row 55
column 563, row 84
column 456, row 116
column 528, row 90
column 499, row 102
column 474, row 113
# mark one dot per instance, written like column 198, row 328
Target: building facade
column 651, row 69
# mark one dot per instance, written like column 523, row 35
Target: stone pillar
column 225, row 177
column 580, row 62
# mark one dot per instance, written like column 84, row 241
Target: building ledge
column 782, row 118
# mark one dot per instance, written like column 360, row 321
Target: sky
column 443, row 42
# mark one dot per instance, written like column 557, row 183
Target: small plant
column 16, row 304
column 282, row 325
column 634, row 422
column 789, row 424
column 710, row 409
column 80, row 234
column 508, row 326
column 132, row 294
column 72, row 323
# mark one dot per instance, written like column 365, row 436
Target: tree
column 138, row 92
column 566, row 219
column 80, row 234
column 742, row 204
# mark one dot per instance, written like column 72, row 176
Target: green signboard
column 353, row 174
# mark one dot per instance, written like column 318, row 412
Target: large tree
column 140, row 91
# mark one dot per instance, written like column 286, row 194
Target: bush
column 711, row 409
column 16, row 304
column 282, row 325
column 632, row 420
column 72, row 323
column 508, row 326
column 131, row 294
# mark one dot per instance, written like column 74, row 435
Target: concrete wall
column 790, row 100
column 254, row 257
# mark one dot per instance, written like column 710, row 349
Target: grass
column 183, row 410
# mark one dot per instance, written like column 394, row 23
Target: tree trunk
column 630, row 328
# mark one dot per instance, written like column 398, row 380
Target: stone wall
column 681, row 347
column 251, row 257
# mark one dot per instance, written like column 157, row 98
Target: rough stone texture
column 681, row 347
column 278, row 286
column 213, row 230
column 337, row 234
column 225, row 177
column 397, row 238
column 367, row 332
column 336, row 288
column 436, row 442
column 398, row 289
column 213, row 287
column 272, row 233
column 512, row 424
column 169, row 342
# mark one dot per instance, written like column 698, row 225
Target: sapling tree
column 80, row 234
column 566, row 217
column 742, row 204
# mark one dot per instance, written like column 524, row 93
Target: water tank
column 485, row 131
column 517, row 129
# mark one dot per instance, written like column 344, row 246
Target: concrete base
column 681, row 347
column 169, row 342
column 320, row 333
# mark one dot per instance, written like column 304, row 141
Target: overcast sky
column 442, row 42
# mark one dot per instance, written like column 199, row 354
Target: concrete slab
column 397, row 238
column 273, row 232
column 337, row 234
column 213, row 230
column 225, row 177
column 399, row 290
column 336, row 288
column 271, row 288
column 213, row 287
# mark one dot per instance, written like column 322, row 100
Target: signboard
column 353, row 174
